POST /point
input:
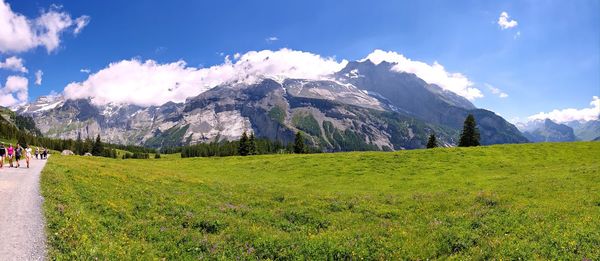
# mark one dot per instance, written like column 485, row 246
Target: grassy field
column 532, row 201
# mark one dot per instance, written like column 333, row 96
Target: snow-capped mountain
column 362, row 107
column 43, row 103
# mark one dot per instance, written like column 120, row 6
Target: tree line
column 78, row 146
column 245, row 146
column 469, row 137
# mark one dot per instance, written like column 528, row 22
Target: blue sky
column 549, row 60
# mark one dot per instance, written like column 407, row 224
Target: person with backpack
column 45, row 153
column 18, row 155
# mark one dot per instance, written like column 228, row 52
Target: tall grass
column 532, row 201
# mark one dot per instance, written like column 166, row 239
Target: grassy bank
column 509, row 201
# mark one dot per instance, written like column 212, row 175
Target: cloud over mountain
column 433, row 74
column 148, row 82
column 570, row 114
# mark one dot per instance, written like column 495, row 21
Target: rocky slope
column 548, row 131
column 585, row 130
column 362, row 107
column 405, row 92
column 10, row 119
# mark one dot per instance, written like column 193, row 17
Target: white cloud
column 271, row 39
column 505, row 22
column 496, row 91
column 38, row 77
column 19, row 33
column 150, row 83
column 14, row 92
column 566, row 115
column 13, row 63
column 80, row 23
column 432, row 74
column 85, row 70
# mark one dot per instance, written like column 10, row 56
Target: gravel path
column 22, row 234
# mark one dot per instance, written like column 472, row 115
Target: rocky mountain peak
column 365, row 106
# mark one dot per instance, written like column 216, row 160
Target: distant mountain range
column 550, row 131
column 585, row 130
column 362, row 107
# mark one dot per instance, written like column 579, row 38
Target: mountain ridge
column 362, row 107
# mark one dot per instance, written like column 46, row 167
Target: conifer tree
column 79, row 145
column 97, row 147
column 432, row 142
column 21, row 140
column 252, row 150
column 470, row 134
column 244, row 148
column 299, row 143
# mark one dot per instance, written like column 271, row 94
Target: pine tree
column 432, row 142
column 97, row 147
column 88, row 145
column 299, row 143
column 470, row 134
column 79, row 145
column 244, row 148
column 21, row 139
column 252, row 150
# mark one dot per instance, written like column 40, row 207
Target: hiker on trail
column 45, row 153
column 37, row 152
column 2, row 154
column 18, row 154
column 27, row 155
column 10, row 152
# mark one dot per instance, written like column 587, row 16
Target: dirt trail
column 22, row 234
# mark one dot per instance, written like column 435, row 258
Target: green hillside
column 531, row 201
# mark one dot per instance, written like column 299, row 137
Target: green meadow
column 531, row 201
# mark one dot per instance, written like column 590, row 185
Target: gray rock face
column 585, row 130
column 405, row 92
column 548, row 131
column 362, row 107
